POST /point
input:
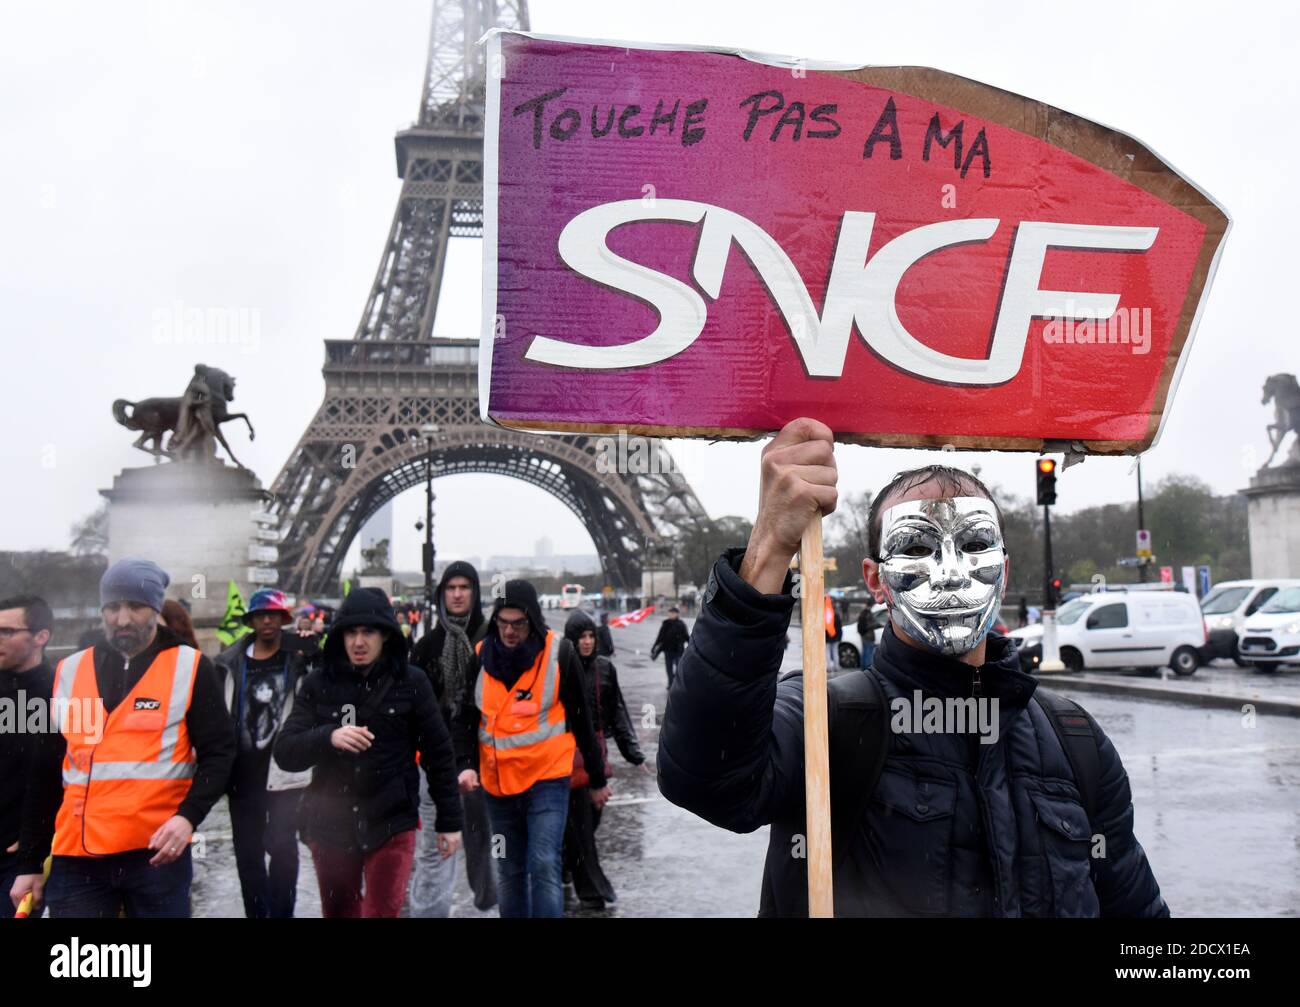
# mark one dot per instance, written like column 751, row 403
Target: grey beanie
column 133, row 579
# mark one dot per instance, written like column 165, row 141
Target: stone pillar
column 195, row 520
column 657, row 572
column 1273, row 507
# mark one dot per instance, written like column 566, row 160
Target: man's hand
column 797, row 483
column 352, row 739
column 24, row 883
column 599, row 797
column 467, row 781
column 171, row 840
column 448, row 843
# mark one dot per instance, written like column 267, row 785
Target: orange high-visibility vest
column 124, row 775
column 828, row 614
column 523, row 738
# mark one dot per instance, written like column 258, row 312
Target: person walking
column 25, row 678
column 261, row 675
column 604, row 637
column 834, row 633
column 134, row 772
column 671, row 642
column 609, row 712
column 359, row 723
column 447, row 655
column 867, row 635
column 522, row 722
column 176, row 618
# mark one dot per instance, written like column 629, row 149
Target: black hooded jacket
column 359, row 801
column 953, row 828
column 610, row 710
column 428, row 649
column 577, row 711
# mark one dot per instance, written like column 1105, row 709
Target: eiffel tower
column 400, row 404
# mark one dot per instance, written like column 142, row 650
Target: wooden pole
column 817, row 775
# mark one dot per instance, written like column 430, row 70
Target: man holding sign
column 691, row 242
column 957, row 788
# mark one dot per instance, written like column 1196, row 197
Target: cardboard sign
column 690, row 242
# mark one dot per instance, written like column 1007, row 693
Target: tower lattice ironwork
column 365, row 446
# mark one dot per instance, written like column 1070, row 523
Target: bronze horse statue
column 1285, row 393
column 194, row 418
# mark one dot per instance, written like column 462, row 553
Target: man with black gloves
column 609, row 712
column 358, row 724
column 446, row 654
column 521, row 724
column 1019, row 806
column 144, row 751
column 671, row 642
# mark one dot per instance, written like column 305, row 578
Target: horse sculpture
column 1285, row 393
column 194, row 418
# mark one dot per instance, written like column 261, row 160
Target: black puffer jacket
column 954, row 827
column 359, row 801
column 611, row 716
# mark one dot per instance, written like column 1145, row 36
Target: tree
column 699, row 548
column 90, row 534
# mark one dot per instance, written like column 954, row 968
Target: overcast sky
column 240, row 156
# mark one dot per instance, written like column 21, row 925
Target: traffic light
column 1046, row 482
column 1056, row 592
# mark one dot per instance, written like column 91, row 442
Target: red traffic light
column 1046, row 465
column 1056, row 582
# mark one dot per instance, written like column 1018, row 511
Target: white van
column 1138, row 629
column 1272, row 635
column 1227, row 608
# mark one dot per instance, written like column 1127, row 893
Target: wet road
column 1217, row 805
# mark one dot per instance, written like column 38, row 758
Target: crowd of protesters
column 484, row 740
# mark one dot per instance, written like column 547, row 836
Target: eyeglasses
column 512, row 623
column 8, row 632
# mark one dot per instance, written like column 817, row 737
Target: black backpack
column 859, row 740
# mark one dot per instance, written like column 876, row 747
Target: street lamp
column 426, row 434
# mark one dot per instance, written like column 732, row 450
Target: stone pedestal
column 657, row 572
column 1273, row 502
column 195, row 520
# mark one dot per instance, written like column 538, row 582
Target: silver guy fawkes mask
column 942, row 568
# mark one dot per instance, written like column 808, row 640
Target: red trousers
column 384, row 870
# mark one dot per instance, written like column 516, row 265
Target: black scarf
column 506, row 665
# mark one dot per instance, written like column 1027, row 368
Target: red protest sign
column 687, row 242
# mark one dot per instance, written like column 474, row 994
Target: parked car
column 1029, row 645
column 1227, row 608
column 1272, row 635
column 1111, row 629
column 850, row 649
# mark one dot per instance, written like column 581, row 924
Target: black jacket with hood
column 428, row 649
column 610, row 709
column 359, row 801
column 953, row 828
column 577, row 711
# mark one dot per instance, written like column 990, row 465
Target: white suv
column 1272, row 635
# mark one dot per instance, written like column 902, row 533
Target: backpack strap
column 1074, row 729
column 859, row 742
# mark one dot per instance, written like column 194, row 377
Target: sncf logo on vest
column 147, row 704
